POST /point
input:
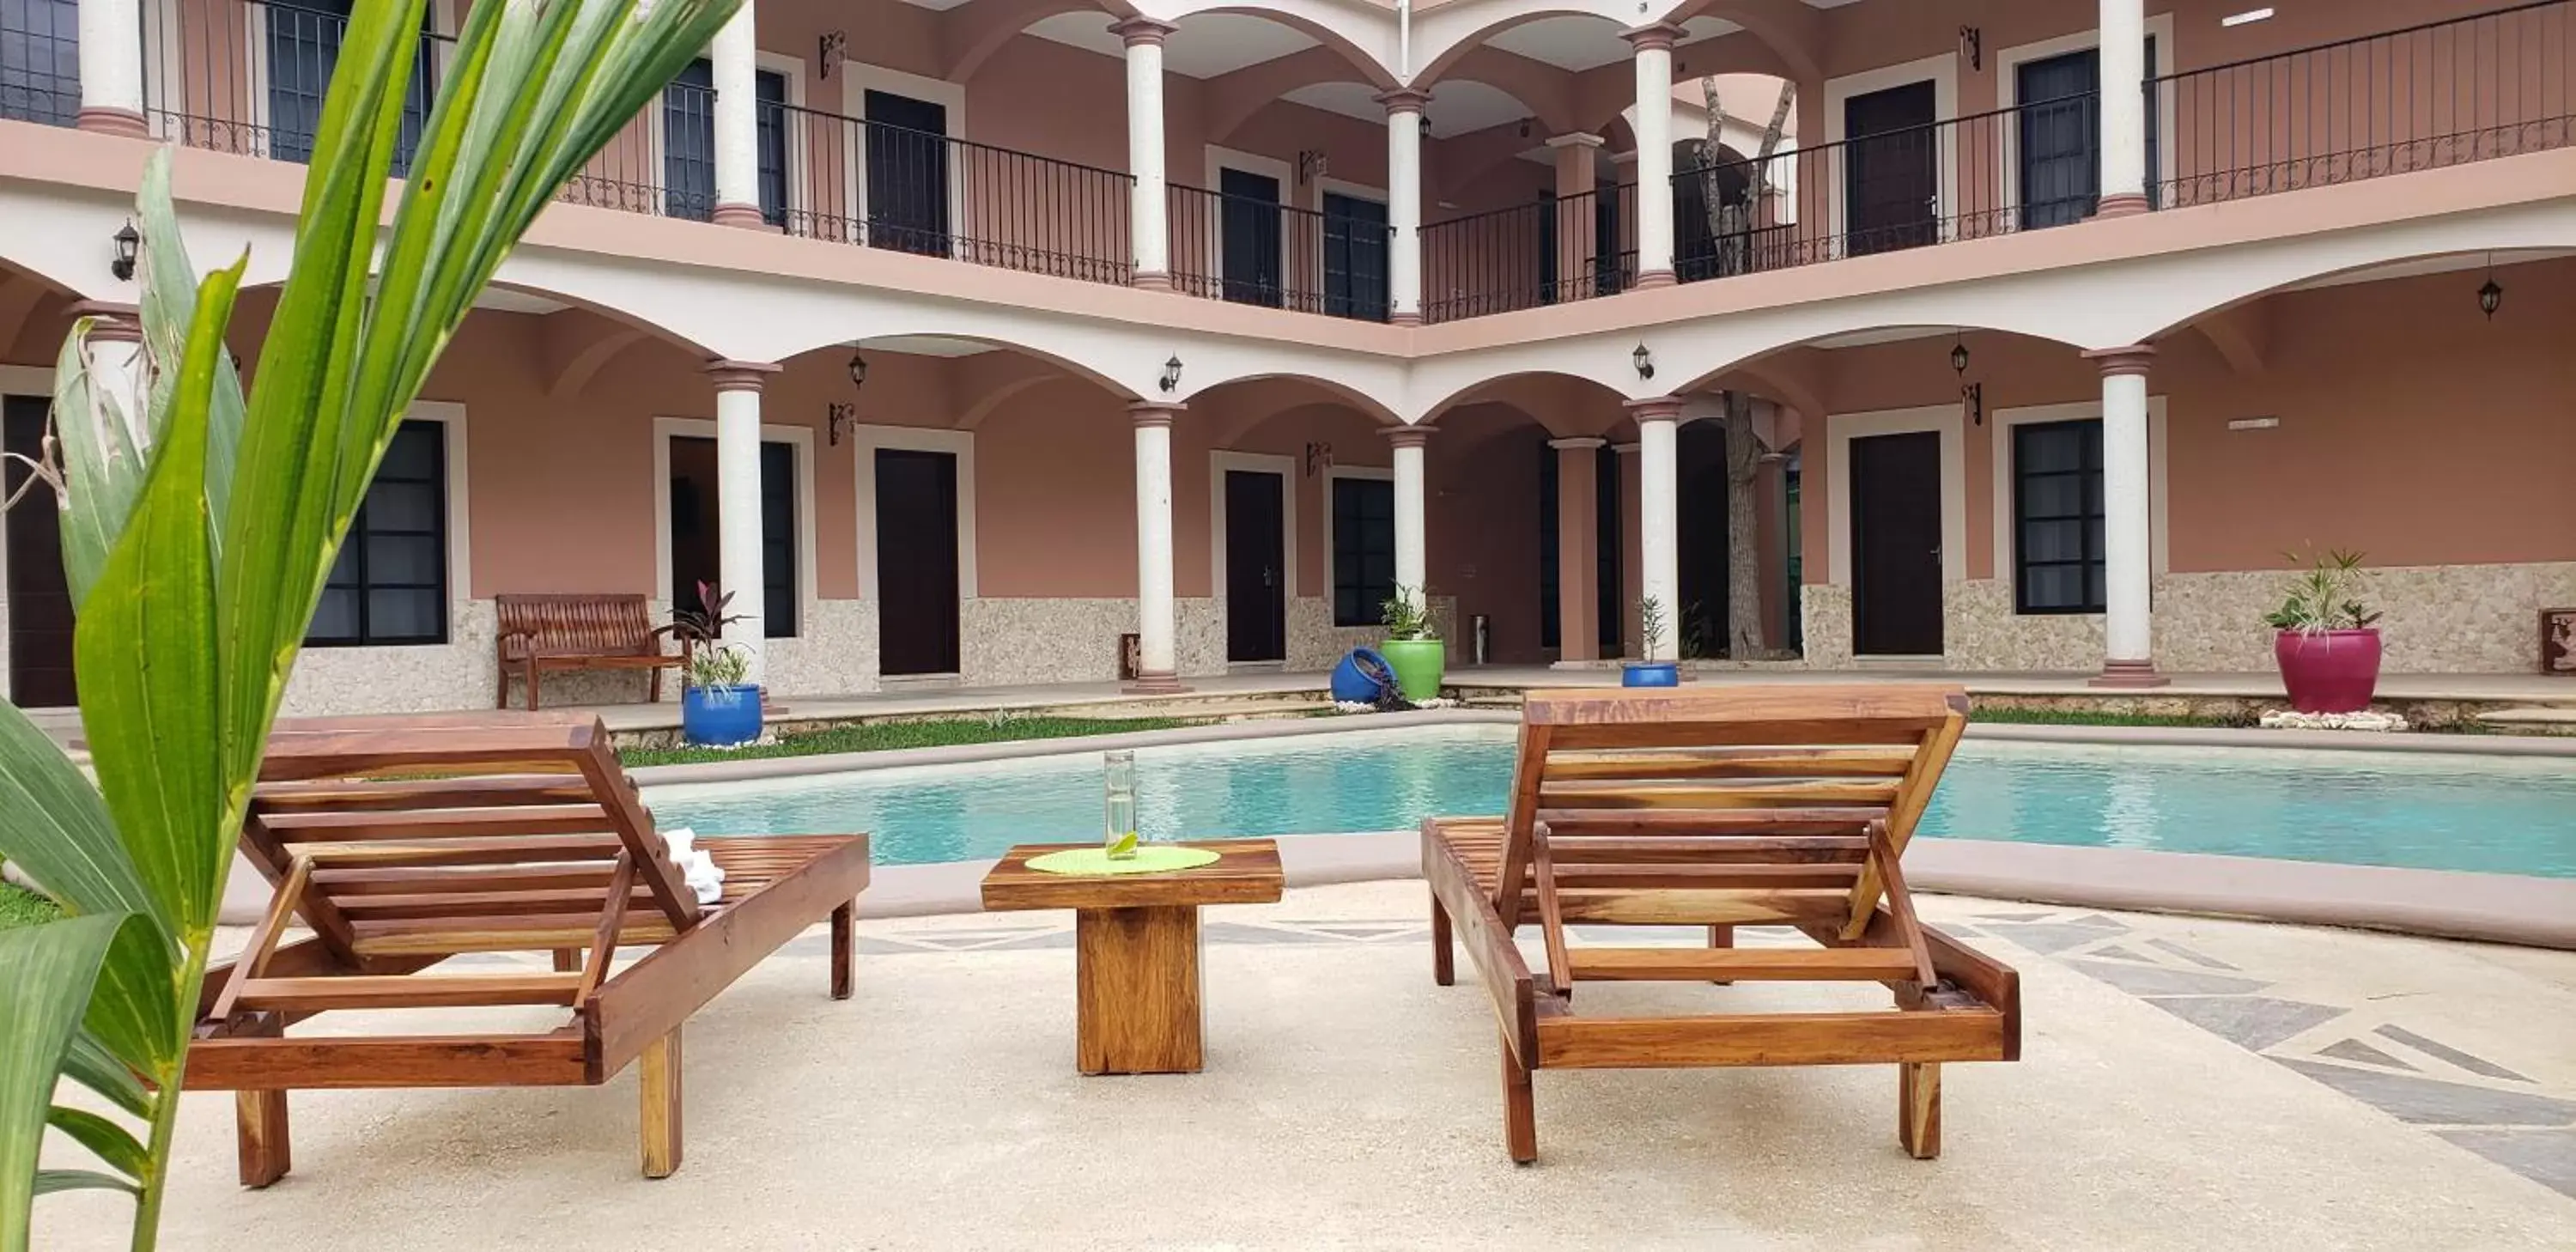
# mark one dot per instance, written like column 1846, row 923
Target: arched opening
column 36, row 611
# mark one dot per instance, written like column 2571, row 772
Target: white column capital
column 738, row 375
column 1403, row 99
column 1142, row 30
column 1656, row 409
column 1408, row 436
column 1154, row 412
column 1625, row 449
column 2135, row 358
column 1577, row 139
column 1654, row 36
column 1577, row 443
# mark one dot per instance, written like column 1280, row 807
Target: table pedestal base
column 1137, row 1004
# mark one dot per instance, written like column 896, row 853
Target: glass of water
column 1118, row 803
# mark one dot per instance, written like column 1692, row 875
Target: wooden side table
column 1136, row 947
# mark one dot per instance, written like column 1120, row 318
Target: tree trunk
column 1744, row 633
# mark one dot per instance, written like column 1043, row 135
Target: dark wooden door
column 916, row 562
column 1355, row 260
column 907, row 174
column 1896, row 544
column 1250, row 222
column 1891, row 183
column 1256, row 574
column 1701, row 618
column 2060, row 136
column 40, row 597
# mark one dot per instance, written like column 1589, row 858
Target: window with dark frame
column 1363, row 549
column 689, row 143
column 2058, row 563
column 389, row 585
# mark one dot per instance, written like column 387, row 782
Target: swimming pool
column 2418, row 810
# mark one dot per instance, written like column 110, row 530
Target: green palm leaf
column 45, row 975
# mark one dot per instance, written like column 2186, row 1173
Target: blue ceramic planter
column 720, row 717
column 1650, row 674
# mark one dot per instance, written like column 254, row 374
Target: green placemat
column 1150, row 858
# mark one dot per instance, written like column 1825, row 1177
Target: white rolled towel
column 699, row 870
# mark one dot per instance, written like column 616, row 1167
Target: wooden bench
column 579, row 631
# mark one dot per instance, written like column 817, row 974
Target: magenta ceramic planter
column 2328, row 671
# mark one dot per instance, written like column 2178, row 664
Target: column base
column 102, row 120
column 1655, row 278
column 1407, row 318
column 745, row 216
column 1155, row 683
column 2123, row 204
column 2130, row 675
column 1151, row 280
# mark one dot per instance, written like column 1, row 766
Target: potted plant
column 1648, row 671
column 2326, row 646
column 1413, row 649
column 703, row 626
column 718, row 709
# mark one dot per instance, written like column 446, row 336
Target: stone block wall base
column 2130, row 675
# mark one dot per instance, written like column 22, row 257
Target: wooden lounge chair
column 402, row 842
column 1715, row 808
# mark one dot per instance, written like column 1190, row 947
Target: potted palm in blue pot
column 1646, row 671
column 718, row 707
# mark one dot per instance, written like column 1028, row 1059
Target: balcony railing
column 880, row 186
column 1558, row 249
column 40, row 70
column 249, row 77
column 1252, row 250
column 2468, row 89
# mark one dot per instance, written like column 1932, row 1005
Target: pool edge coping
column 2525, row 911
column 1265, row 728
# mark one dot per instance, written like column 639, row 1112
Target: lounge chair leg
column 502, row 699
column 532, row 688
column 1520, row 1114
column 1444, row 956
column 260, row 1127
column 1918, row 1113
column 659, row 1127
column 1721, row 937
column 567, row 960
column 844, row 940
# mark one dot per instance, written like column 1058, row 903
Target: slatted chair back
column 578, row 624
column 400, row 838
column 1785, row 803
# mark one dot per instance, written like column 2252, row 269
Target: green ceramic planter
column 1418, row 664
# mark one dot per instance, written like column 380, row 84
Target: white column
column 1404, row 203
column 2128, row 628
column 111, row 67
column 2124, row 108
column 1148, row 213
column 1659, row 517
column 735, row 67
column 1157, row 665
column 1654, row 129
column 738, row 549
column 1412, row 565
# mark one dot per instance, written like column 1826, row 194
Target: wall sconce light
column 858, row 369
column 1525, row 128
column 1972, row 396
column 1426, row 125
column 1319, row 457
column 831, row 46
column 1644, row 361
column 2490, row 296
column 843, row 416
column 1972, row 45
column 1171, row 375
column 1311, row 164
column 127, row 244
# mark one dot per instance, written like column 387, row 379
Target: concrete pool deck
column 2186, row 1083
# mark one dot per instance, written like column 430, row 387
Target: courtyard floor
column 2185, row 1083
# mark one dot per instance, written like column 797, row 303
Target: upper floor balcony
column 1253, row 157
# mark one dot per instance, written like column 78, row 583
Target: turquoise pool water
column 2425, row 811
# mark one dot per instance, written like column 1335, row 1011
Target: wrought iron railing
column 1548, row 252
column 40, row 61
column 881, row 186
column 1252, row 250
column 248, row 76
column 2472, row 88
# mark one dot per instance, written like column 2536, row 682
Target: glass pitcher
column 1118, row 802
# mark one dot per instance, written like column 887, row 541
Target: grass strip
column 21, row 907
column 888, row 736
